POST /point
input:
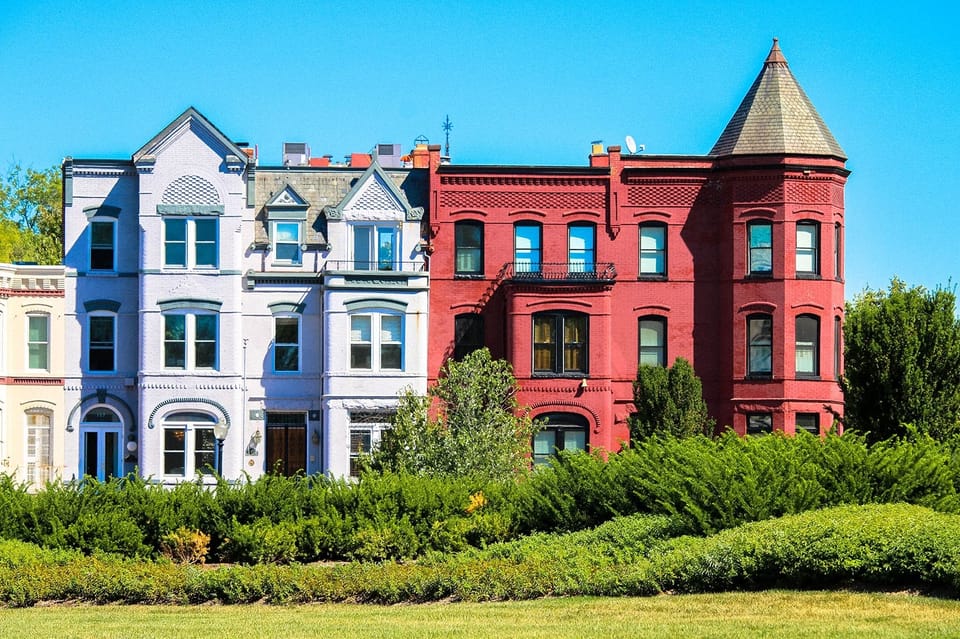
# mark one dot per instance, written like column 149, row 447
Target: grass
column 774, row 614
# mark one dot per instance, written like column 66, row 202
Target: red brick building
column 732, row 260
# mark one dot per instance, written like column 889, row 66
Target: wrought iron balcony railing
column 561, row 272
column 375, row 267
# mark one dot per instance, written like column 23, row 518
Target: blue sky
column 523, row 83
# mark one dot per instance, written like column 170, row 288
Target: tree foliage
column 669, row 400
column 902, row 362
column 469, row 424
column 31, row 220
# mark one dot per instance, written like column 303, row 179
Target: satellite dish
column 631, row 144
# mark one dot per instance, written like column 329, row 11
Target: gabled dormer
column 286, row 218
column 374, row 197
column 374, row 227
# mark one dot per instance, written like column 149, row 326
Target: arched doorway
column 101, row 444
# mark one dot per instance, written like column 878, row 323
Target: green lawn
column 768, row 614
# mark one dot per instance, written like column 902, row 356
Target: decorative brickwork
column 190, row 189
column 521, row 200
column 662, row 196
column 809, row 191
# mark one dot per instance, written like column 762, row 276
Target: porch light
column 220, row 430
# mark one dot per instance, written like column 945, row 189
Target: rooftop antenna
column 447, row 125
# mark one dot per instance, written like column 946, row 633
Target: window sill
column 468, row 276
column 577, row 375
column 759, row 377
column 808, row 376
column 808, row 276
column 758, row 276
column 652, row 277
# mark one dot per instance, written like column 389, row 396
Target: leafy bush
column 896, row 545
column 185, row 546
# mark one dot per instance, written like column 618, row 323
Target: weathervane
column 447, row 125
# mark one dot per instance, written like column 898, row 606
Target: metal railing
column 561, row 272
column 375, row 266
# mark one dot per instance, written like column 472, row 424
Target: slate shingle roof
column 776, row 116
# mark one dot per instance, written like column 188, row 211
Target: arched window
column 562, row 431
column 189, row 446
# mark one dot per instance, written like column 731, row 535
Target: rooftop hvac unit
column 296, row 154
column 390, row 156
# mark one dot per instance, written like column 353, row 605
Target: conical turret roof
column 776, row 116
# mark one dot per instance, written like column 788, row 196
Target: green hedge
column 704, row 485
column 895, row 545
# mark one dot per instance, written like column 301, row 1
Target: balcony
column 560, row 273
column 374, row 267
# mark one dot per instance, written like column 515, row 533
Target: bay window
column 760, row 239
column 376, row 342
column 807, row 345
column 560, row 343
column 760, row 345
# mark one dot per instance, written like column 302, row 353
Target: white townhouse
column 196, row 292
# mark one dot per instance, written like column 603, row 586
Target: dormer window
column 286, row 242
column 287, row 214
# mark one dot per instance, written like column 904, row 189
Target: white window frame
column 90, row 343
column 278, row 344
column 652, row 326
column 190, row 340
column 38, row 447
column 376, row 343
column 373, row 261
column 45, row 343
column 277, row 242
column 191, row 243
column 807, row 229
column 656, row 252
column 189, row 427
column 366, row 422
column 113, row 245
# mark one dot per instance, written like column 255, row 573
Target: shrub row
column 879, row 545
column 704, row 485
column 713, row 484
